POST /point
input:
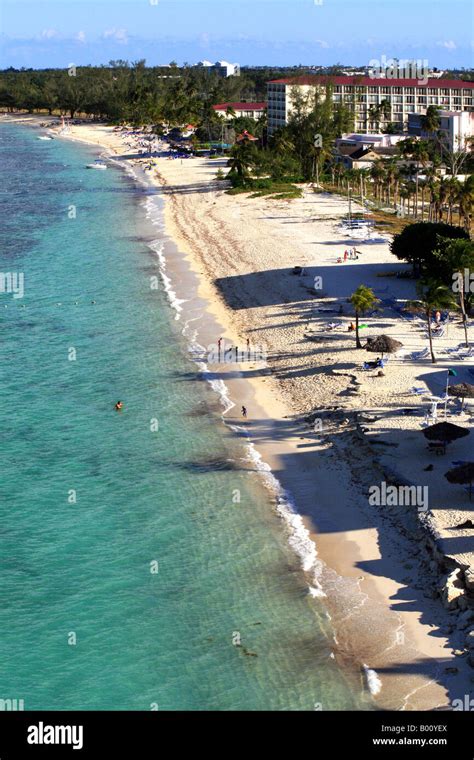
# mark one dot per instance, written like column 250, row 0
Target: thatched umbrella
column 445, row 432
column 383, row 344
column 462, row 474
column 462, row 391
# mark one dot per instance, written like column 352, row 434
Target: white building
column 457, row 126
column 250, row 110
column 221, row 68
column 364, row 93
column 368, row 141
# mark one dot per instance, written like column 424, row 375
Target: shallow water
column 138, row 549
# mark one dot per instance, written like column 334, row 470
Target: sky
column 58, row 33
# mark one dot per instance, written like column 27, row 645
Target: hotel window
column 410, row 99
column 397, row 90
column 432, row 91
column 410, row 90
column 373, row 89
column 373, row 98
column 398, row 99
column 410, row 108
column 386, row 90
column 422, row 99
column 433, row 101
column 467, row 92
column 337, row 88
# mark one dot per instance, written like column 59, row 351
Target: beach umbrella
column 462, row 391
column 383, row 344
column 462, row 474
column 445, row 432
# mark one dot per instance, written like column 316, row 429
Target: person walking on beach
column 345, row 255
column 244, row 411
column 219, row 348
column 248, row 348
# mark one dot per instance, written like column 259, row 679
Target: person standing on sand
column 244, row 411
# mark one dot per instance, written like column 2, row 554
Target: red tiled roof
column 240, row 106
column 369, row 81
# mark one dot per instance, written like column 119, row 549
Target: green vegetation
column 363, row 299
column 432, row 296
column 418, row 242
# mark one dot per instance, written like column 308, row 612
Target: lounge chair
column 416, row 355
column 418, row 391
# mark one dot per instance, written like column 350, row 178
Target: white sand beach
column 372, row 569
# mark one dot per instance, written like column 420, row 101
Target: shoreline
column 300, row 461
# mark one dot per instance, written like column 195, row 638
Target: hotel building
column 405, row 96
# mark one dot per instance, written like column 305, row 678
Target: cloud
column 48, row 34
column 119, row 35
column 80, row 37
column 448, row 44
column 321, row 43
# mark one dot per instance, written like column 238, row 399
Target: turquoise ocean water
column 92, row 501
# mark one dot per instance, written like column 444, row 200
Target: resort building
column 457, row 127
column 365, row 93
column 249, row 110
column 221, row 68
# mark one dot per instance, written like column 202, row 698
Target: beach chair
column 418, row 391
column 416, row 355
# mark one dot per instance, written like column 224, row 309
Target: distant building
column 250, row 110
column 457, row 126
column 368, row 141
column 404, row 96
column 363, row 158
column 221, row 68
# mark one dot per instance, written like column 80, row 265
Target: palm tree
column 362, row 300
column 432, row 295
column 466, row 198
column 454, row 187
column 377, row 175
column 241, row 160
column 430, row 122
column 377, row 112
column 442, row 197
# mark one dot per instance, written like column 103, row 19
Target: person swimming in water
column 118, row 406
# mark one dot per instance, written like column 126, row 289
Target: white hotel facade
column 404, row 95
